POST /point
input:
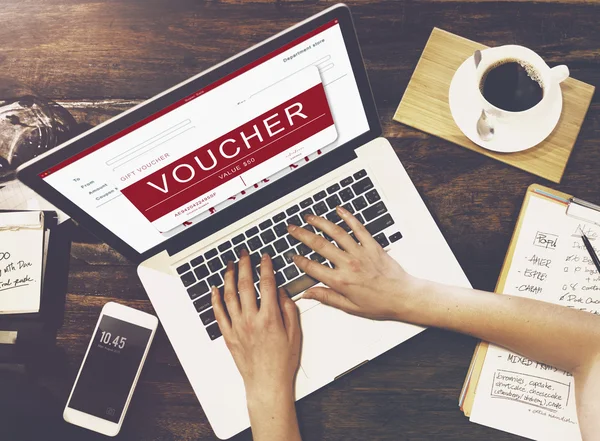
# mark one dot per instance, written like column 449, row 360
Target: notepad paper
column 549, row 263
column 21, row 256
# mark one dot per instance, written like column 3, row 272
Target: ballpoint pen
column 590, row 249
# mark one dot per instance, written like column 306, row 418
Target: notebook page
column 550, row 263
column 21, row 248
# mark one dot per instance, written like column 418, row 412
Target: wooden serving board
column 424, row 106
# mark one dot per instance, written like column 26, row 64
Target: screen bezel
column 93, row 422
column 29, row 172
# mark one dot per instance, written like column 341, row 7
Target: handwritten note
column 21, row 255
column 550, row 263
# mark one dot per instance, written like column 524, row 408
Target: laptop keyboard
column 356, row 193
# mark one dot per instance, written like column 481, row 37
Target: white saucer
column 466, row 110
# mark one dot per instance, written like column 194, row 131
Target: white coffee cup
column 549, row 78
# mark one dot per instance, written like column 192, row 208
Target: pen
column 590, row 249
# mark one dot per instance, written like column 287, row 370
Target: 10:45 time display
column 117, row 342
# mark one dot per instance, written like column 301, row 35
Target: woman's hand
column 365, row 281
column 264, row 341
column 265, row 344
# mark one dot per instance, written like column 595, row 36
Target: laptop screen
column 232, row 138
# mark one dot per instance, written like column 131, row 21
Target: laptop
column 181, row 183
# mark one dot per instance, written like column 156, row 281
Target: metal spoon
column 485, row 129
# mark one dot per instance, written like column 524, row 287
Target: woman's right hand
column 366, row 281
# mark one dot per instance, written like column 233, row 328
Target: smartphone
column 110, row 369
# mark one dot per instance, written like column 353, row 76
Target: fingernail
column 264, row 256
column 292, row 227
column 309, row 217
column 214, row 290
column 244, row 252
column 229, row 265
column 295, row 257
column 341, row 210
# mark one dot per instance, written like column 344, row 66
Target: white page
column 17, row 196
column 20, row 262
column 550, row 263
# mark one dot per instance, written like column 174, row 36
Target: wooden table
column 99, row 58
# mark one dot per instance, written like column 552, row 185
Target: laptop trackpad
column 333, row 341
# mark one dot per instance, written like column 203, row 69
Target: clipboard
column 574, row 207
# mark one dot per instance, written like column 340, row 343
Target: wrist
column 265, row 397
column 413, row 295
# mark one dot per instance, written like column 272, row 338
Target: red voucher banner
column 233, row 155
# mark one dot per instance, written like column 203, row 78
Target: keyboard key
column 317, row 257
column 224, row 246
column 395, row 237
column 292, row 240
column 280, row 229
column 203, row 303
column 374, row 211
column 278, row 263
column 188, row 278
column 210, row 254
column 255, row 259
column 333, row 201
column 265, row 224
column 255, row 243
column 279, row 217
column 183, row 268
column 268, row 250
column 309, row 228
column 372, row 196
column 347, row 181
column 197, row 261
column 251, row 232
column 346, row 194
column 289, row 255
column 207, row 317
column 321, row 208
column 362, row 186
column 345, row 226
column 291, row 272
column 303, row 250
column 349, row 207
column 228, row 257
column 379, row 224
column 305, row 213
column 320, row 195
column 332, row 216
column 359, row 203
column 381, row 240
column 281, row 245
column 213, row 331
column 197, row 290
column 306, row 203
column 215, row 280
column 279, row 279
column 215, row 265
column 292, row 210
column 267, row 236
column 332, row 189
column 295, row 220
column 201, row 272
column 360, row 174
column 238, row 249
column 359, row 218
column 237, row 239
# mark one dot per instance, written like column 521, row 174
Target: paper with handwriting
column 21, row 256
column 550, row 263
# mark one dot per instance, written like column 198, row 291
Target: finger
column 318, row 244
column 220, row 313
column 268, row 287
column 289, row 313
column 361, row 233
column 232, row 300
column 330, row 297
column 315, row 270
column 246, row 284
column 336, row 232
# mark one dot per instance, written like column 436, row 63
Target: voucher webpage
column 232, row 138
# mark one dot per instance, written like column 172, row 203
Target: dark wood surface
column 98, row 58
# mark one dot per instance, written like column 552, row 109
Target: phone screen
column 110, row 368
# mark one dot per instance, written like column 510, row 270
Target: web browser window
column 226, row 141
